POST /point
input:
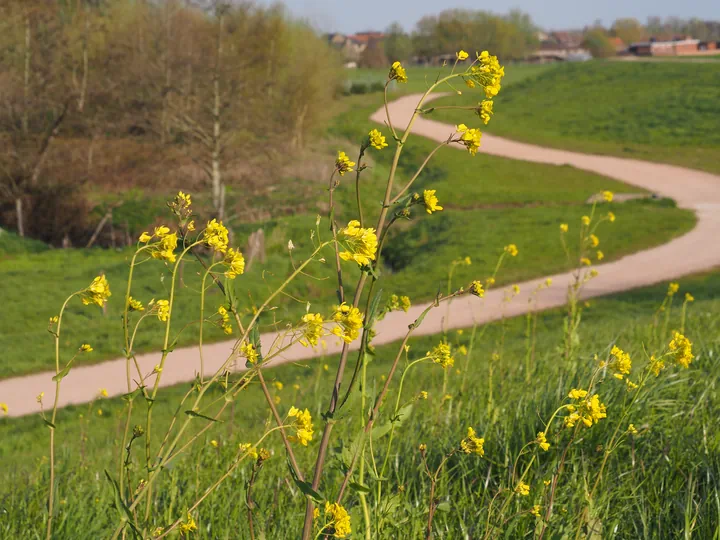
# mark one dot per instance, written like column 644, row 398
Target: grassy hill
column 657, row 111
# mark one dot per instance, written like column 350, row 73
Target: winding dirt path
column 696, row 251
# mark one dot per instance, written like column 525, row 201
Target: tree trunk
column 218, row 189
column 19, row 214
column 26, row 76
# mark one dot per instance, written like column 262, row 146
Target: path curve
column 693, row 252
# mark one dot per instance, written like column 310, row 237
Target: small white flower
column 291, row 246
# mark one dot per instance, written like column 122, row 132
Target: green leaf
column 372, row 312
column 402, row 415
column 132, row 395
column 60, row 376
column 305, row 487
column 359, row 487
column 443, row 507
column 48, row 423
column 194, row 414
column 121, row 506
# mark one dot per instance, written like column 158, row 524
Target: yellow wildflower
column 161, row 231
column 343, row 164
column 397, row 72
column 489, row 282
column 488, row 72
column 522, row 489
column 4, row 408
column 361, row 243
column 564, row 227
column 214, row 443
column 516, row 289
column 183, row 199
column 145, row 238
column 594, row 240
column 461, row 55
column 405, row 303
column 423, row 395
column 188, row 525
column 536, row 510
column 377, row 139
column 585, row 220
column 608, row 196
column 542, row 441
column 339, row 525
column 216, row 236
column 40, row 397
column 632, row 430
column 349, row 320
column 485, row 111
column 165, row 249
column 97, row 293
column 135, row 305
column 476, row 288
column 85, row 347
column 313, row 329
column 278, row 385
column 470, row 138
column 441, row 355
column 511, row 249
column 689, row 297
column 611, row 217
column 585, row 261
column 621, row 363
column 431, row 201
column 587, row 409
column 157, row 531
column 673, row 288
column 600, row 255
column 236, row 263
column 163, row 310
column 249, row 351
column 191, row 226
column 472, row 444
column 469, row 83
column 302, row 424
column 316, row 513
column 422, row 447
column 656, row 365
column 249, row 449
column 548, row 282
column 682, row 348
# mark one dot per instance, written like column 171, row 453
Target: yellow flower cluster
column 673, row 288
column 470, row 138
column 621, row 363
column 165, row 247
column 236, row 263
column 589, row 410
column 163, row 310
column 349, row 320
column 302, row 424
column 564, row 227
column 188, row 525
column 485, row 110
column 397, row 303
column 313, row 329
column 611, row 217
column 180, row 206
column 249, row 449
column 608, row 196
column 431, row 201
column 472, row 444
column 461, row 55
column 225, row 316
column 488, row 72
column 542, row 441
column 594, row 241
column 97, row 293
column 135, row 305
column 343, row 164
column 397, row 72
column 216, row 236
column 522, row 489
column 85, row 347
column 476, row 288
column 339, row 525
column 377, row 139
column 511, row 249
column 361, row 243
column 681, row 347
column 442, row 355
column 249, row 351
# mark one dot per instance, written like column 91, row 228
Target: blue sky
column 349, row 16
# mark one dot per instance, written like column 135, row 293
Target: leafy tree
column 598, row 43
column 398, row 44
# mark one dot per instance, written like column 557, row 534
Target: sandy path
column 694, row 252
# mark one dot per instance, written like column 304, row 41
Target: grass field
column 662, row 483
column 656, row 111
column 489, row 203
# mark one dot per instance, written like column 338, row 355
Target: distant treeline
column 90, row 88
